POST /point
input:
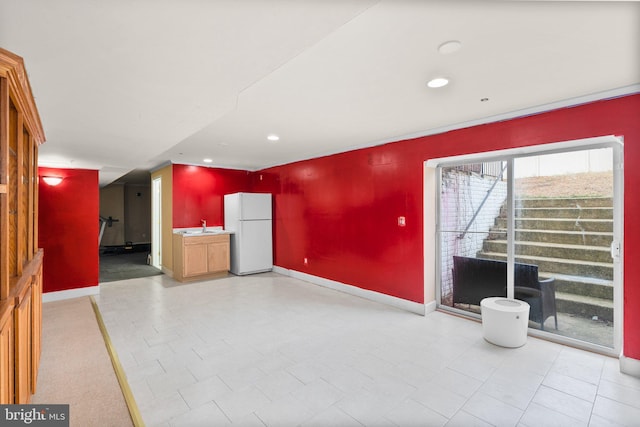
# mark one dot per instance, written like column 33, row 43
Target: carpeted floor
column 75, row 367
column 114, row 267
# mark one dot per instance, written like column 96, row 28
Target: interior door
column 156, row 223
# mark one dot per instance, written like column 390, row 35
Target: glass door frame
column 433, row 178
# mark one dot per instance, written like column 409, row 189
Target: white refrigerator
column 248, row 216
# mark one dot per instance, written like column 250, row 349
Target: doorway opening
column 125, row 237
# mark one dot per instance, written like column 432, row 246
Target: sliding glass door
column 472, row 201
column 540, row 227
column 564, row 226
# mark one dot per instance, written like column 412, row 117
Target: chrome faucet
column 204, row 225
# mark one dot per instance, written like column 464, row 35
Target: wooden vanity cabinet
column 200, row 257
column 218, row 255
column 20, row 259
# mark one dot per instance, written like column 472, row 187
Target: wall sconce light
column 52, row 180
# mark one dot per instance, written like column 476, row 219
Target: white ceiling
column 125, row 84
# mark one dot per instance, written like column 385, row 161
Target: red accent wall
column 68, row 229
column 341, row 211
column 198, row 193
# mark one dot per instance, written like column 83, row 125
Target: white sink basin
column 201, row 233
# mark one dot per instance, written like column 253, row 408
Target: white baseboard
column 629, row 366
column 400, row 303
column 280, row 270
column 70, row 293
column 166, row 271
column 430, row 307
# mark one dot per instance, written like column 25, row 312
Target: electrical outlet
column 305, row 261
column 401, row 221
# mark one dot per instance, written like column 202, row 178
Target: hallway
column 121, row 266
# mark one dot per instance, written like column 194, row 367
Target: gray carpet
column 115, row 267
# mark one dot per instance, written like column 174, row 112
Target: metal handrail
column 489, row 191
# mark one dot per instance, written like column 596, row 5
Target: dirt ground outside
column 592, row 184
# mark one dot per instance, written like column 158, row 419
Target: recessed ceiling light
column 450, row 46
column 207, row 160
column 273, row 137
column 438, row 82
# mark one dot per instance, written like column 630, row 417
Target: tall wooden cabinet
column 20, row 259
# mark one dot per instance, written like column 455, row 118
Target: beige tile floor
column 270, row 350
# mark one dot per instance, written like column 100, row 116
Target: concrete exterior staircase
column 569, row 239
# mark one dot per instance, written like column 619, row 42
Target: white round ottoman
column 505, row 321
